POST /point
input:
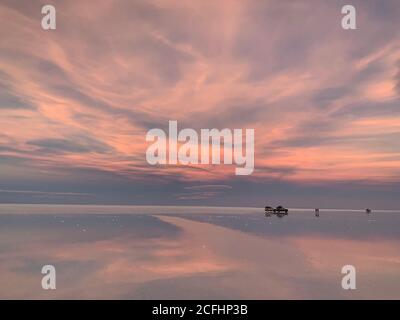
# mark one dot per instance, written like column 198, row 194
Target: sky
column 76, row 102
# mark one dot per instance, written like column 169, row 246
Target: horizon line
column 192, row 206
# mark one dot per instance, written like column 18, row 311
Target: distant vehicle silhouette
column 368, row 210
column 279, row 211
column 269, row 209
column 316, row 212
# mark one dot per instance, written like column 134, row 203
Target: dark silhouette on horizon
column 279, row 211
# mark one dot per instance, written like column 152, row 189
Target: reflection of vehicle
column 280, row 214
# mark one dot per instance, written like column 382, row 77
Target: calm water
column 183, row 253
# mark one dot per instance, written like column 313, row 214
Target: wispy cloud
column 209, row 186
column 47, row 193
column 323, row 101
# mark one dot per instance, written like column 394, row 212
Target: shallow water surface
column 206, row 254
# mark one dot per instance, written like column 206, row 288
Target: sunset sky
column 76, row 102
